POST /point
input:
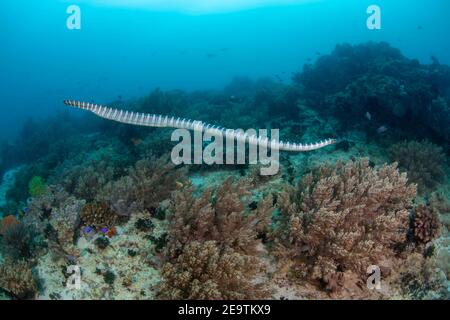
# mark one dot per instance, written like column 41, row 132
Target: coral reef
column 425, row 224
column 16, row 277
column 135, row 276
column 65, row 222
column 102, row 242
column 36, row 186
column 377, row 78
column 207, row 271
column 7, row 223
column 98, row 214
column 84, row 175
column 420, row 278
column 221, row 215
column 18, row 241
column 423, row 161
column 148, row 183
column 439, row 112
column 84, row 181
column 343, row 218
column 212, row 251
column 7, row 182
column 105, row 196
column 17, row 193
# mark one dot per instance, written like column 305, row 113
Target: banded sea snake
column 154, row 120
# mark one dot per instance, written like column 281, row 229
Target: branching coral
column 422, row 160
column 343, row 218
column 220, row 216
column 425, row 224
column 85, row 181
column 18, row 241
column 86, row 174
column 207, row 271
column 147, row 184
column 16, row 278
column 212, row 251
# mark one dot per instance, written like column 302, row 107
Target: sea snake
column 154, row 120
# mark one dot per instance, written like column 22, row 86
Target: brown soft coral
column 207, row 271
column 222, row 216
column 85, row 180
column 147, row 184
column 211, row 253
column 343, row 218
column 426, row 224
column 16, row 277
column 423, row 161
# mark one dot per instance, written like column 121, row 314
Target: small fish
column 368, row 116
column 382, row 129
column 26, row 210
column 419, row 27
column 104, row 230
column 210, row 55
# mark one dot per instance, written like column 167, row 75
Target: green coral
column 36, row 186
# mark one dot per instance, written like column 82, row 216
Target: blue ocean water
column 128, row 48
